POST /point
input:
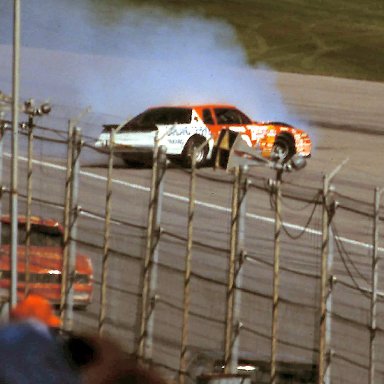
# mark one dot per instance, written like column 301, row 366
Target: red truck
column 45, row 254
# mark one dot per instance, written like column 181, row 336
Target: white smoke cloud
column 144, row 58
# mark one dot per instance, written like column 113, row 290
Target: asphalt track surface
column 346, row 119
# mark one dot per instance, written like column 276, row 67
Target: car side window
column 226, row 116
column 176, row 116
column 207, row 116
column 231, row 116
column 158, row 116
column 166, row 116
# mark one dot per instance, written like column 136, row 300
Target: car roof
column 193, row 106
column 35, row 220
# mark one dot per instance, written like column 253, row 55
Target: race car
column 182, row 128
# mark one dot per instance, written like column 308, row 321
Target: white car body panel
column 173, row 137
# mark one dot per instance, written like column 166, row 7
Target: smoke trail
column 144, row 58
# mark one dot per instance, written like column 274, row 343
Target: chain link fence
column 198, row 271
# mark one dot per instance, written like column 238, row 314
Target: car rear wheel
column 283, row 149
column 201, row 155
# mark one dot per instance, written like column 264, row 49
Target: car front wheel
column 201, row 154
column 283, row 149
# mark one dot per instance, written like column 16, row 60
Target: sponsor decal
column 189, row 131
column 176, row 141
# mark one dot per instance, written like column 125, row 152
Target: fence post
column 73, row 216
column 30, row 126
column 66, row 220
column 187, row 272
column 240, row 258
column 2, row 130
column 151, row 255
column 276, row 273
column 236, row 257
column 331, row 281
column 67, row 213
column 104, row 271
column 15, row 151
column 3, row 306
column 374, row 282
column 324, row 278
column 31, row 111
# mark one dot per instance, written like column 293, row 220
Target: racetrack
column 345, row 122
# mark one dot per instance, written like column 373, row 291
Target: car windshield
column 41, row 235
column 149, row 119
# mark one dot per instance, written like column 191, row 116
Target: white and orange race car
column 182, row 128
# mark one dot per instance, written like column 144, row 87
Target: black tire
column 284, row 148
column 201, row 156
column 135, row 162
column 129, row 162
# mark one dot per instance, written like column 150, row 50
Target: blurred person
column 29, row 351
column 33, row 349
column 98, row 359
column 101, row 360
column 35, row 307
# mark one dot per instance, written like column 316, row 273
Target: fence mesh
column 350, row 253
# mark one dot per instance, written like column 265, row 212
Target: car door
column 207, row 116
column 174, row 128
column 233, row 119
